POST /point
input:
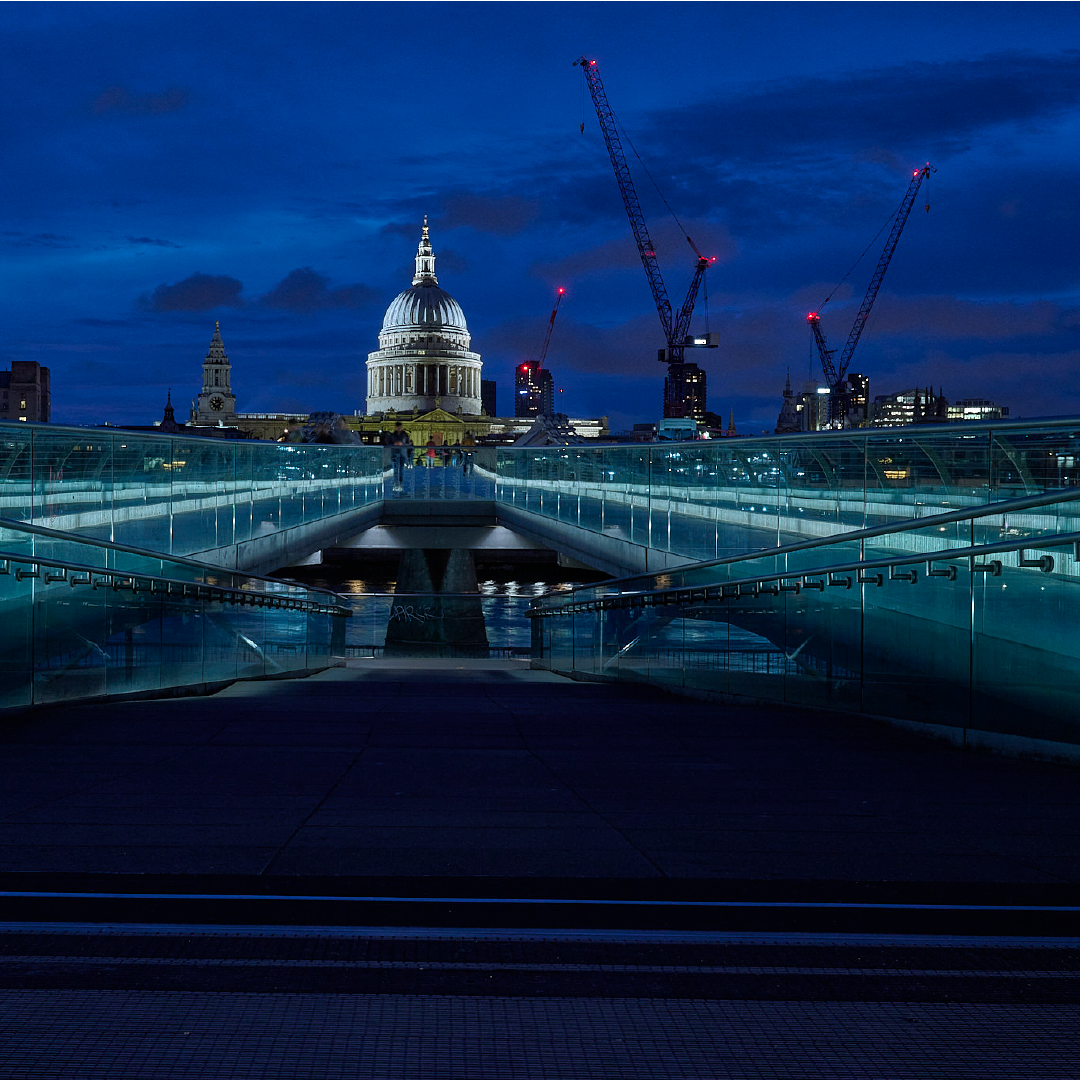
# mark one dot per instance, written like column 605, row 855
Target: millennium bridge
column 921, row 575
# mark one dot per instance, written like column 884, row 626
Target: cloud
column 949, row 317
column 306, row 290
column 199, row 292
column 935, row 107
column 406, row 229
column 45, row 239
column 119, row 100
column 502, row 215
column 676, row 258
column 125, row 324
column 151, row 242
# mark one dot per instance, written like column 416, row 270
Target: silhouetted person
column 399, row 443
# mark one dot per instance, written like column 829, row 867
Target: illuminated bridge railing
column 177, row 495
column 704, row 500
column 85, row 619
column 977, row 640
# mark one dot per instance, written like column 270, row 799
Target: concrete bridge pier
column 440, row 611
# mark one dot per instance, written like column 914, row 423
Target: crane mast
column 835, row 373
column 675, row 328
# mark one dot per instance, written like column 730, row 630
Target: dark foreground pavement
column 489, row 769
column 475, row 870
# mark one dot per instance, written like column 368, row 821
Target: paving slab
column 469, row 768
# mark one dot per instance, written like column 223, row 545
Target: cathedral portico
column 423, row 360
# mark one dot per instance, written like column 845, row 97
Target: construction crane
column 542, row 356
column 677, row 326
column 836, row 373
column 534, row 392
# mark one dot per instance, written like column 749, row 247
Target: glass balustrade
column 174, row 494
column 85, row 619
column 774, row 508
column 728, row 497
column 969, row 637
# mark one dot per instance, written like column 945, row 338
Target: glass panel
column 1026, row 653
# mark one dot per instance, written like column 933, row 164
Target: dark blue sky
column 269, row 165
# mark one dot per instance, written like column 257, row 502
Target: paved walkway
column 463, row 769
column 394, row 872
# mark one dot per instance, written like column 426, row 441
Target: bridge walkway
column 390, row 872
column 386, row 768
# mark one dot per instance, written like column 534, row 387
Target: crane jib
column 675, row 329
column 836, row 372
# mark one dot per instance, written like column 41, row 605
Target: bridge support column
column 437, row 607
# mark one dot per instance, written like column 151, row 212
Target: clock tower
column 216, row 401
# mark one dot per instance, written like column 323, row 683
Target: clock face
column 217, row 404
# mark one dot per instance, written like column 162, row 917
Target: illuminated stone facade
column 423, row 361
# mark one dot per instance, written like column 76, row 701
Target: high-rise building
column 856, row 400
column 26, row 392
column 534, row 390
column 423, row 360
column 685, row 392
column 489, row 397
column 814, row 406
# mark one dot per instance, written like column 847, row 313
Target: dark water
column 367, row 588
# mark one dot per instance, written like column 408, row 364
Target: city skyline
column 270, row 166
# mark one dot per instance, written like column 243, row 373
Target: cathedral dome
column 424, row 307
column 424, row 360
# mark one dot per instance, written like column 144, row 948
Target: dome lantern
column 425, row 260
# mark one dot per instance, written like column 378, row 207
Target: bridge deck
column 740, row 887
column 456, row 769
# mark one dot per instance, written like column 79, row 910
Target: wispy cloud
column 44, row 239
column 119, row 100
column 150, row 241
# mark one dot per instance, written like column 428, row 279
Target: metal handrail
column 128, row 579
column 823, row 577
column 968, row 429
column 1006, row 506
column 109, row 545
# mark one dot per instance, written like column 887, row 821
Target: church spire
column 425, row 260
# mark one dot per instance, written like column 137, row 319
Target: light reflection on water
column 504, row 603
